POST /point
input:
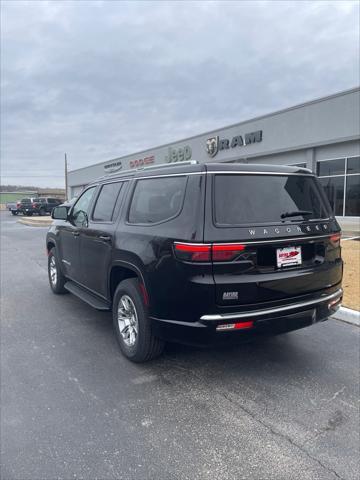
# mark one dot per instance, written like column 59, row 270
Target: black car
column 200, row 254
column 38, row 205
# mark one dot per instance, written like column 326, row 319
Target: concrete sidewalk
column 36, row 221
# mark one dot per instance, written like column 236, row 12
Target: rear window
column 252, row 199
column 157, row 200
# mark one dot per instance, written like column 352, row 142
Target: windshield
column 252, row 199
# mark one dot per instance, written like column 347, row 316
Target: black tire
column 146, row 346
column 28, row 214
column 57, row 285
column 14, row 212
column 42, row 212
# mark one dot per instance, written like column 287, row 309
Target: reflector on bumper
column 235, row 326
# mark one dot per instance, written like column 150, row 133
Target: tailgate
column 285, row 240
column 255, row 276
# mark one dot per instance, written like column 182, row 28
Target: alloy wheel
column 128, row 320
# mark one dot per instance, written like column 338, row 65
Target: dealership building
column 322, row 135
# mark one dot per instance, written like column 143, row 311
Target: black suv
column 200, row 253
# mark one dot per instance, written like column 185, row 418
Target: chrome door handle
column 105, row 238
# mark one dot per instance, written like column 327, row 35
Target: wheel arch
column 123, row 270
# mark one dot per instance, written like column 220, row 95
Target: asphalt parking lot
column 74, row 408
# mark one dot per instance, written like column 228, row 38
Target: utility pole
column 66, row 180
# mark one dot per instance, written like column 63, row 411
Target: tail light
column 18, row 205
column 335, row 239
column 226, row 252
column 34, row 205
column 199, row 252
column 193, row 252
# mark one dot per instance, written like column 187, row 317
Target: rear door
column 97, row 240
column 272, row 236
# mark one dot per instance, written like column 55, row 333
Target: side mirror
column 60, row 213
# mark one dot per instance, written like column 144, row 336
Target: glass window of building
column 341, row 181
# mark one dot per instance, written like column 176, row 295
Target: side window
column 157, row 199
column 105, row 204
column 81, row 208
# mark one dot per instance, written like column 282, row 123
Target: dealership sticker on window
column 288, row 256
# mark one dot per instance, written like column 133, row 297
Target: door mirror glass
column 60, row 213
column 79, row 218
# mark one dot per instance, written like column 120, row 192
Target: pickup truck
column 39, row 205
column 13, row 207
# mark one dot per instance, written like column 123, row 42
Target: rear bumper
column 264, row 322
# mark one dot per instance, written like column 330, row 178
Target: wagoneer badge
column 274, row 231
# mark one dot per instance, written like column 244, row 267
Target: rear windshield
column 252, row 199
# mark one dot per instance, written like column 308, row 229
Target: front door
column 69, row 234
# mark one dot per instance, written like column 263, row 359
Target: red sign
column 142, row 162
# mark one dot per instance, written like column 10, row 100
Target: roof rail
column 150, row 167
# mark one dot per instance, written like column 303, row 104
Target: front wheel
column 14, row 212
column 132, row 324
column 42, row 212
column 56, row 278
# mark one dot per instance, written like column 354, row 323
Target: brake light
column 199, row 252
column 192, row 252
column 34, row 205
column 226, row 252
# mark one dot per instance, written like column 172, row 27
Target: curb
column 34, row 222
column 347, row 315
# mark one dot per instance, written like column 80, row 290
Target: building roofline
column 254, row 119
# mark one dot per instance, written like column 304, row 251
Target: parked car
column 13, row 207
column 200, row 254
column 39, row 205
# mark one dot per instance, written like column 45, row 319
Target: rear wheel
column 132, row 324
column 56, row 278
column 14, row 212
column 42, row 211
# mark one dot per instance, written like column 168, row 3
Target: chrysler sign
column 215, row 144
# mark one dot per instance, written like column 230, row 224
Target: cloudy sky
column 101, row 79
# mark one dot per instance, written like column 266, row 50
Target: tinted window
column 334, row 189
column 81, row 207
column 105, row 203
column 352, row 207
column 251, row 199
column 331, row 167
column 353, row 165
column 158, row 199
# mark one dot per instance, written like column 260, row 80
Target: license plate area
column 288, row 256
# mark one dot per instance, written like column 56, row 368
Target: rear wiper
column 296, row 214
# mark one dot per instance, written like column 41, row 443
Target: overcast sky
column 101, row 79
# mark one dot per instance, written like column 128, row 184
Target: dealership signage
column 178, row 154
column 215, row 144
column 113, row 166
column 142, row 162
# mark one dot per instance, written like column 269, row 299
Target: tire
column 56, row 278
column 141, row 345
column 28, row 214
column 14, row 212
column 42, row 212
